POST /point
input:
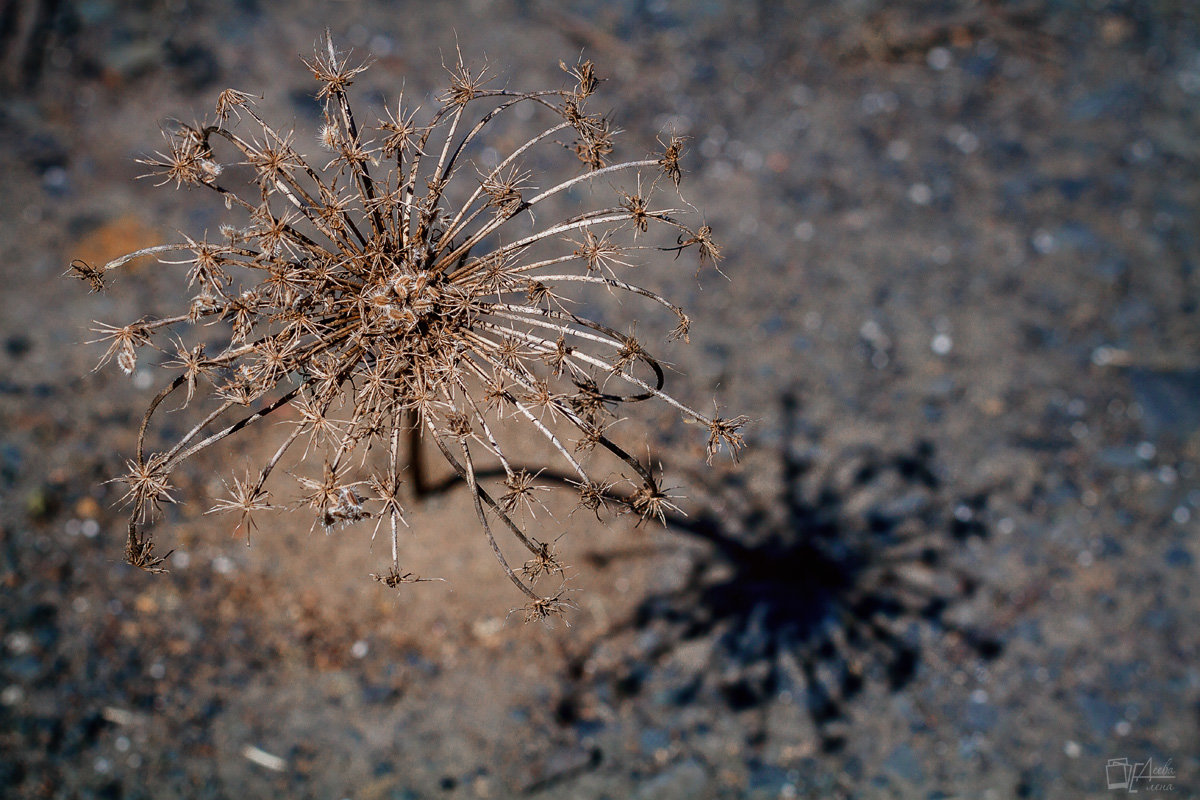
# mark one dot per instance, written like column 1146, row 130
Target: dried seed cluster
column 364, row 299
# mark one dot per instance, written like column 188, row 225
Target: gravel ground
column 957, row 560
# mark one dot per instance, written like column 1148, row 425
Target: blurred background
column 958, row 558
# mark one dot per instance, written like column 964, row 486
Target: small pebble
column 87, row 508
column 1142, row 150
column 19, row 642
column 920, row 193
column 1043, row 241
column 898, row 150
column 939, row 58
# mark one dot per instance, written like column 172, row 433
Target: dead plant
column 361, row 296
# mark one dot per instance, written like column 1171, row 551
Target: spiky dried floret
column 465, row 85
column 545, row 561
column 148, row 484
column 584, row 73
column 595, row 495
column 650, row 501
column 669, row 162
column 139, row 551
column 123, row 343
column 87, row 272
column 726, row 433
column 333, row 70
column 403, row 133
column 246, row 497
column 229, row 101
column 188, row 159
column 504, row 190
column 543, row 608
column 394, row 577
column 521, row 485
column 426, row 301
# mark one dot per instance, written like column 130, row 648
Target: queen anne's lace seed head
column 364, row 299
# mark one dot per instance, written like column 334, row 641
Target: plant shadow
column 813, row 592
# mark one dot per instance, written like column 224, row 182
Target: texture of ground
column 957, row 560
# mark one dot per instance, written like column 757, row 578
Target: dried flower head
column 404, row 291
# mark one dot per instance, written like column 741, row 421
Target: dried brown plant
column 377, row 308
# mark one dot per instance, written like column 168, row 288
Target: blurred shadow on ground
column 813, row 592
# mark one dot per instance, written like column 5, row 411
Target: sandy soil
column 958, row 558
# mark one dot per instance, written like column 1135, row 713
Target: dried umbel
column 379, row 310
